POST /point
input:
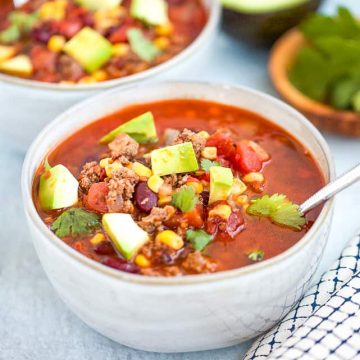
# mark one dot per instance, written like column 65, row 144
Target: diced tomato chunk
column 194, row 217
column 245, row 159
column 96, row 198
column 223, row 143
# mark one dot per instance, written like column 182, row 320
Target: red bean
column 104, row 248
column 122, row 265
column 145, row 199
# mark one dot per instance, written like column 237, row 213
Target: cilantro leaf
column 279, row 210
column 198, row 238
column 207, row 164
column 327, row 68
column 185, row 199
column 142, row 46
column 74, row 222
column 256, row 255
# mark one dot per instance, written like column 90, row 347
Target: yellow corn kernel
column 141, row 170
column 54, row 10
column 162, row 42
column 197, row 186
column 171, row 239
column 100, row 75
column 204, row 134
column 155, row 182
column 238, row 187
column 164, row 200
column 87, row 80
column 164, row 30
column 142, row 261
column 223, row 211
column 254, row 177
column 56, row 43
column 6, row 52
column 120, row 49
column 97, row 239
column 242, row 200
column 209, row 152
column 105, row 162
column 110, row 168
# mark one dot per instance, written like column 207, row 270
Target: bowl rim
column 282, row 54
column 214, row 12
column 32, row 215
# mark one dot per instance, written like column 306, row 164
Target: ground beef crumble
column 123, row 148
column 121, row 188
column 197, row 140
column 197, row 263
column 90, row 174
column 155, row 220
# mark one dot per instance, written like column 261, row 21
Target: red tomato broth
column 290, row 171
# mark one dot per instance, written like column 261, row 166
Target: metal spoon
column 331, row 189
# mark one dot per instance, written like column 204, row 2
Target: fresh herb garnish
column 198, row 238
column 207, row 164
column 74, row 222
column 256, row 255
column 142, row 46
column 185, row 199
column 279, row 210
column 326, row 70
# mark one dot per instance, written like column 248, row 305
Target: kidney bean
column 235, row 223
column 205, row 195
column 104, row 248
column 122, row 265
column 145, row 199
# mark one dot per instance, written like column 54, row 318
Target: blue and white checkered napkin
column 325, row 324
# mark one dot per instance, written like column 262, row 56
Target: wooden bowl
column 325, row 117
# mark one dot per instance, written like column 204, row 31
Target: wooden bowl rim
column 282, row 56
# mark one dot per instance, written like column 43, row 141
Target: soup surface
column 190, row 214
column 87, row 41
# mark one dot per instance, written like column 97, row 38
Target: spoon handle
column 331, row 189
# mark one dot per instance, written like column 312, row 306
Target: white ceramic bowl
column 193, row 312
column 27, row 105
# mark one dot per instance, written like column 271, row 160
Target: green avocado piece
column 261, row 22
column 142, row 129
column 221, row 182
column 58, row 188
column 174, row 159
column 152, row 12
column 260, row 6
column 90, row 49
column 126, row 235
column 95, row 5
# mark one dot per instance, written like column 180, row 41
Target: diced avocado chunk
column 260, row 6
column 221, row 182
column 19, row 65
column 95, row 5
column 6, row 52
column 174, row 159
column 58, row 188
column 126, row 235
column 90, row 49
column 142, row 46
column 152, row 12
column 142, row 129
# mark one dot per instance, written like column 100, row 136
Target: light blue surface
column 35, row 324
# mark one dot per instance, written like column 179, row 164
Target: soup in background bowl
column 273, row 150
column 55, row 53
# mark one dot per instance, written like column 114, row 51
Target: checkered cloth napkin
column 325, row 324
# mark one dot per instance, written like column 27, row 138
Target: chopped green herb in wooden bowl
column 316, row 69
